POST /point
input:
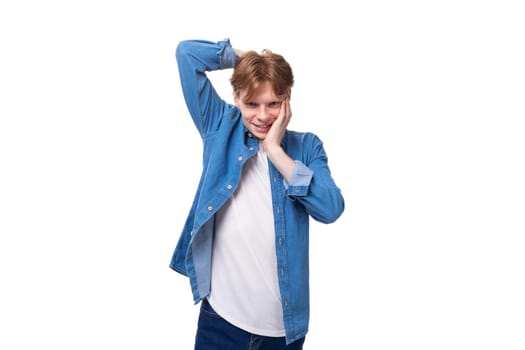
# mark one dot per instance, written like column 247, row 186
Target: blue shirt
column 227, row 145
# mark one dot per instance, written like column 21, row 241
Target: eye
column 274, row 104
column 250, row 104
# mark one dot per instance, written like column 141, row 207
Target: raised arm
column 194, row 59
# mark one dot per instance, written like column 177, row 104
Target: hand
column 275, row 134
column 239, row 53
column 272, row 141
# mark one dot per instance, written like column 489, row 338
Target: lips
column 262, row 128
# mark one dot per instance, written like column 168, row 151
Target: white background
column 421, row 108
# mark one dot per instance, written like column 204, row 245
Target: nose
column 264, row 113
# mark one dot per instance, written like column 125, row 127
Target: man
column 244, row 246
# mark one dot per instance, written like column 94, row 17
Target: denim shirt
column 227, row 145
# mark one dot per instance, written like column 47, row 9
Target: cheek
column 246, row 116
column 248, row 113
column 275, row 112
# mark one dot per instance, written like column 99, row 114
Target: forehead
column 264, row 92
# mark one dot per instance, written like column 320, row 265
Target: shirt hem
column 262, row 332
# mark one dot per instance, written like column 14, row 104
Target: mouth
column 263, row 128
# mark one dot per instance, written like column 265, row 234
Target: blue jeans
column 215, row 333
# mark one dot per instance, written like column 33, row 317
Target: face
column 260, row 111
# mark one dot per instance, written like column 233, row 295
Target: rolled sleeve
column 227, row 54
column 299, row 181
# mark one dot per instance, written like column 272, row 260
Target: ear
column 236, row 99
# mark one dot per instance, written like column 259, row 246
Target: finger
column 287, row 109
column 283, row 109
column 283, row 112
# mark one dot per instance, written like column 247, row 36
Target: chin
column 259, row 136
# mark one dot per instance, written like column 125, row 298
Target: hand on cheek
column 276, row 133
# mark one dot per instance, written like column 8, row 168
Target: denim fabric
column 215, row 333
column 227, row 145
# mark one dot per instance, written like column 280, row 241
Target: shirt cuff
column 227, row 54
column 299, row 181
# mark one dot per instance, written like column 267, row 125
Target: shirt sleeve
column 299, row 181
column 194, row 59
column 227, row 54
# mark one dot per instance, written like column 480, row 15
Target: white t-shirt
column 244, row 284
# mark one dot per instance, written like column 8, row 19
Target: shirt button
column 229, row 187
column 250, row 134
column 280, row 240
column 251, row 148
column 210, row 208
column 240, row 158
